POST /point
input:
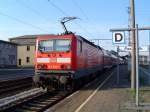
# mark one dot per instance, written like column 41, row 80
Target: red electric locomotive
column 64, row 59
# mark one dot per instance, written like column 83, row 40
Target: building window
column 28, row 48
column 27, row 59
column 19, row 61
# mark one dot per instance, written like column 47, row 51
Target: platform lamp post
column 118, row 77
column 149, row 57
column 133, row 42
column 137, row 66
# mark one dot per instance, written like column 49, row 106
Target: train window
column 46, row 45
column 27, row 59
column 62, row 45
column 54, row 45
column 80, row 46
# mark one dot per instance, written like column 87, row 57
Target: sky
column 96, row 17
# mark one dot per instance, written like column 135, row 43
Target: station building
column 144, row 60
column 25, row 50
column 8, row 54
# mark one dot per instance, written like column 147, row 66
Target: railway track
column 39, row 103
column 14, row 85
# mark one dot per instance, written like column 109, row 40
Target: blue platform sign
column 118, row 38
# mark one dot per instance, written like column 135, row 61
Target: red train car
column 66, row 59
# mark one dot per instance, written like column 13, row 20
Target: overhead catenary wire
column 83, row 13
column 81, row 10
column 59, row 9
column 33, row 10
column 85, row 30
column 65, row 14
column 21, row 21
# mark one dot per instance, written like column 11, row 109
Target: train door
column 86, row 58
column 79, row 54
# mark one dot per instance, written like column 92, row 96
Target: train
column 69, row 60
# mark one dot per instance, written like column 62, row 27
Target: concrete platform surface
column 103, row 95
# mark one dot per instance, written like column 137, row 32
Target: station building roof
column 7, row 42
column 26, row 39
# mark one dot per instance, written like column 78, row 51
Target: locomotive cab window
column 62, row 45
column 54, row 45
column 45, row 45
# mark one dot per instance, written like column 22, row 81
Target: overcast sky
column 25, row 17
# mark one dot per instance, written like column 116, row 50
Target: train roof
column 78, row 36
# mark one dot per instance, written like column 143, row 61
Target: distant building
column 25, row 49
column 8, row 54
column 144, row 60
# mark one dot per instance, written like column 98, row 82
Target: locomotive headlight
column 68, row 66
column 44, row 66
column 65, row 66
column 39, row 66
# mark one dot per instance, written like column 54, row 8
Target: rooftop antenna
column 64, row 20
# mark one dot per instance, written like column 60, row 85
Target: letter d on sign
column 118, row 38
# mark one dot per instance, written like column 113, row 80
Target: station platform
column 102, row 95
column 144, row 76
column 11, row 74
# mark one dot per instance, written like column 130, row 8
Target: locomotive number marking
column 53, row 60
column 63, row 60
column 43, row 60
column 53, row 67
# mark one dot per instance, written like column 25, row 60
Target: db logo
column 118, row 38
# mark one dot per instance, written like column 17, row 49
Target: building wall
column 8, row 54
column 23, row 53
